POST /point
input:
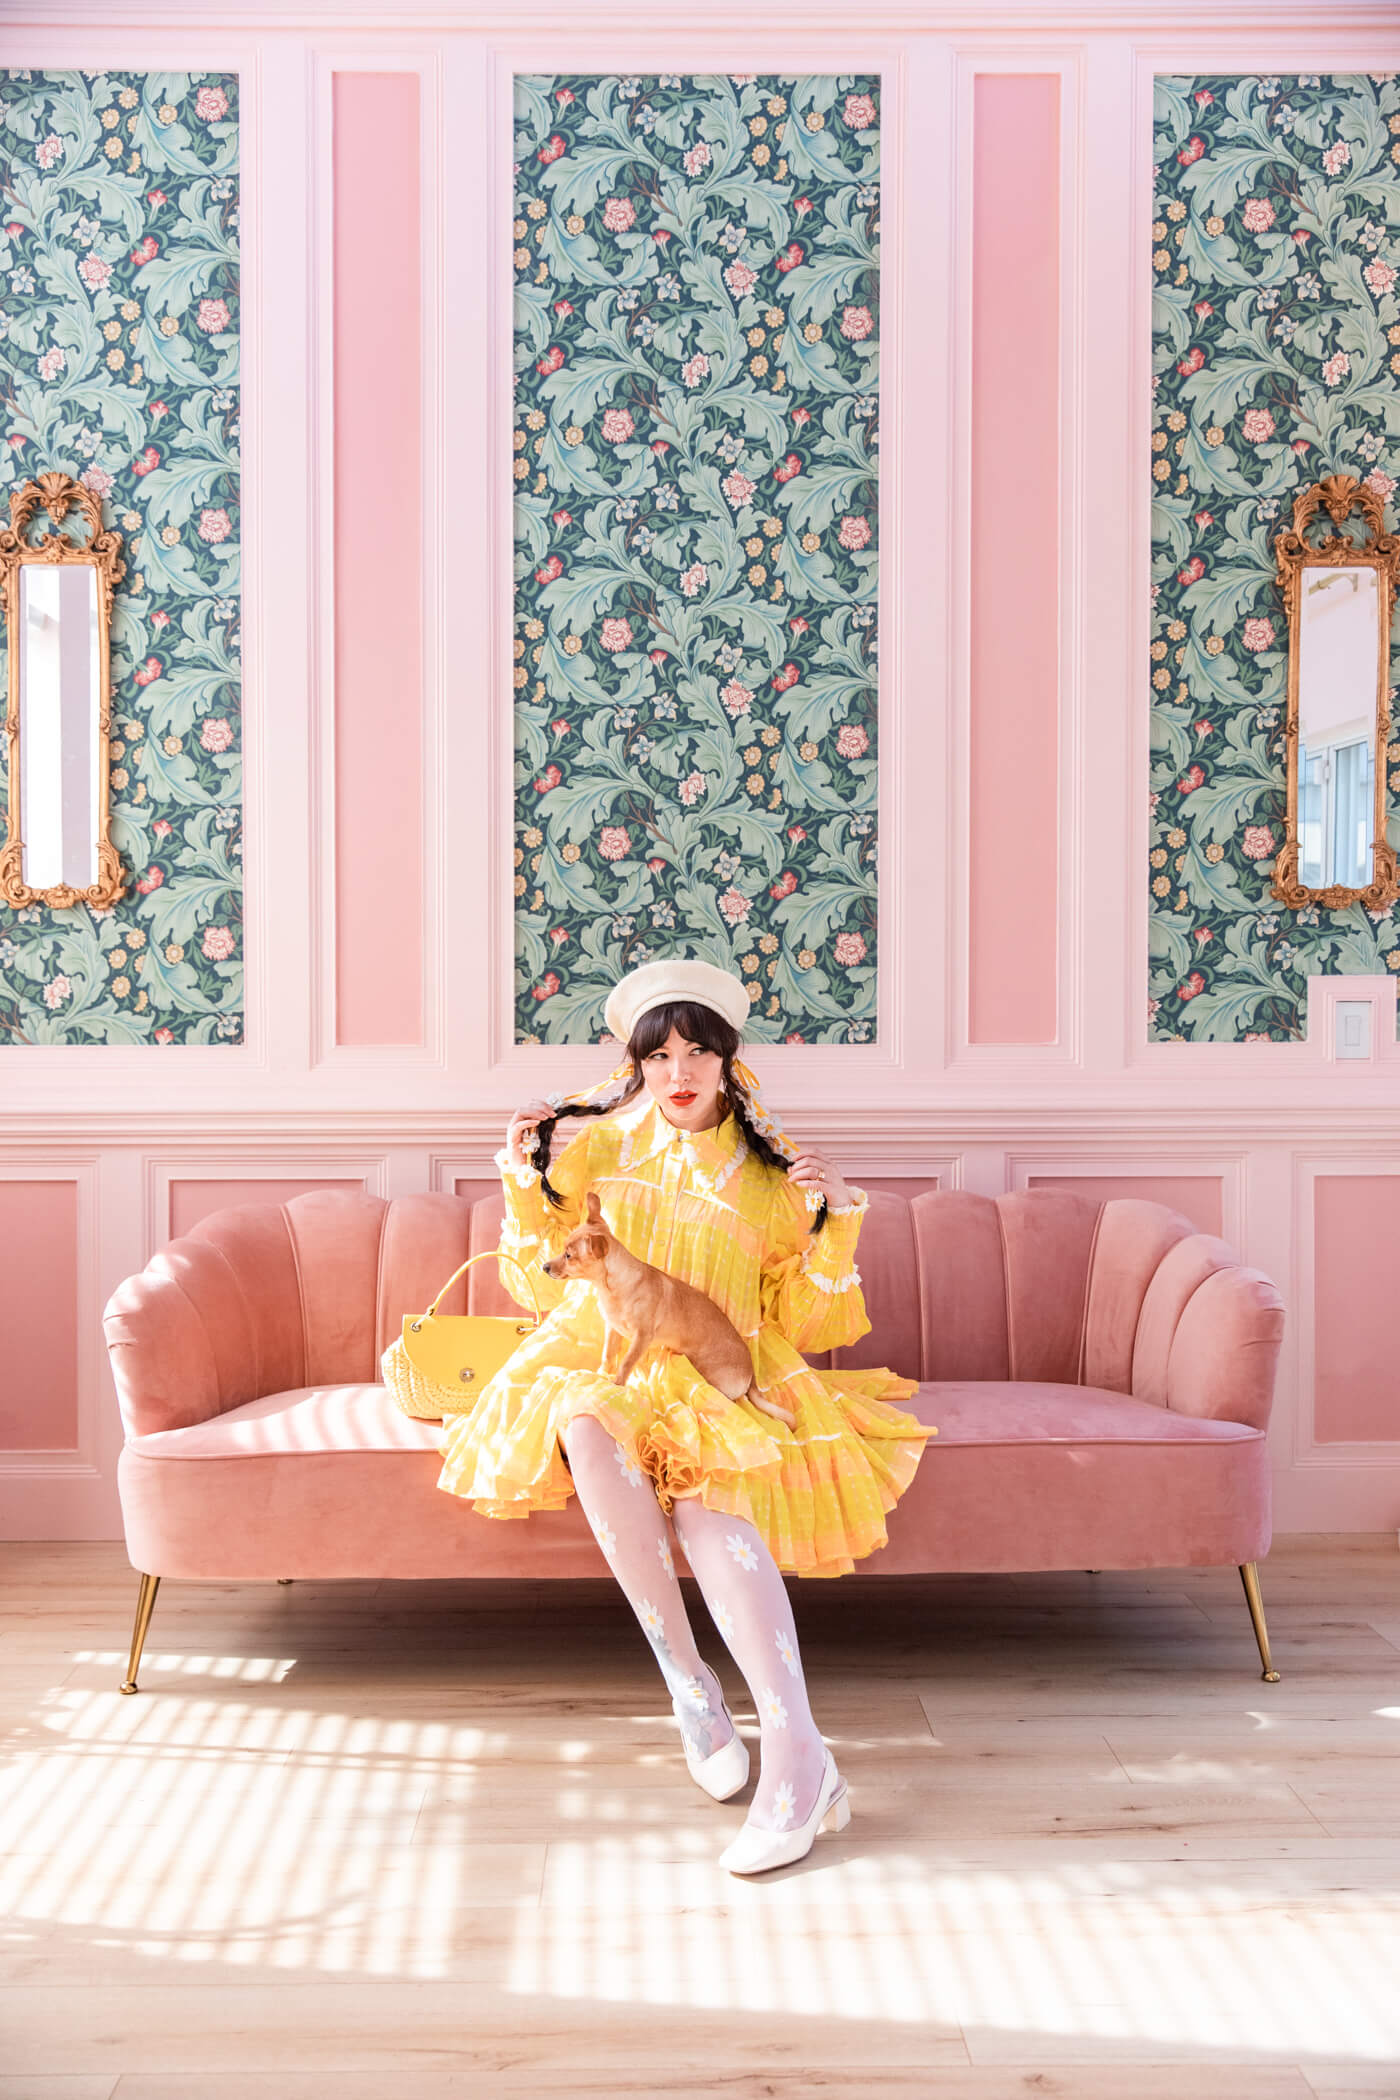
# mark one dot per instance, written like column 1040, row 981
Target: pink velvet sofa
column 1100, row 1373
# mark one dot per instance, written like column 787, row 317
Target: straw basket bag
column 441, row 1361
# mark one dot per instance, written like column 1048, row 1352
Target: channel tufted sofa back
column 1039, row 1286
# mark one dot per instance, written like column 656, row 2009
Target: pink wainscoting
column 192, row 1200
column 1199, row 1197
column 39, row 1313
column 1015, row 461
column 378, row 560
column 1357, row 1388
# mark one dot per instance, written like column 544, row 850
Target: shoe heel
column 839, row 1813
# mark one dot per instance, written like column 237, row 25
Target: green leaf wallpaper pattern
column 1276, row 359
column 696, row 448
column 119, row 356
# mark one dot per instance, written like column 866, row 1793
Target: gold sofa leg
column 145, row 1605
column 1249, row 1576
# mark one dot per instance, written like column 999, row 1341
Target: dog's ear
column 597, row 1246
column 595, row 1208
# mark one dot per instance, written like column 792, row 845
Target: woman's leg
column 622, row 1508
column 747, row 1601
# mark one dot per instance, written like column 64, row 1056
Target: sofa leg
column 1249, row 1576
column 145, row 1605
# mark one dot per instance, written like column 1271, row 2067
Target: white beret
column 658, row 983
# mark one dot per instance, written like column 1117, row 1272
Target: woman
column 695, row 1177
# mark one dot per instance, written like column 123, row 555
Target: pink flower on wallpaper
column 161, row 828
column 151, row 880
column 1337, row 157
column 850, row 949
column 52, row 363
column 856, row 323
column 802, row 205
column 692, row 788
column 617, row 425
column 218, row 943
column 734, row 906
column 551, row 361
column 95, row 273
column 851, row 740
column 56, row 991
column 49, row 151
column 1257, row 843
column 1382, row 483
column 216, row 735
column 788, row 676
column 148, row 462
column 694, row 578
column 1380, row 277
column 210, row 104
column 1191, row 151
column 737, row 698
column 618, row 214
column 695, row 369
column 145, row 251
column 98, row 480
column 214, row 525
column 553, row 149
column 859, row 112
column 740, row 278
column 854, row 533
column 1336, row 368
column 165, row 1035
column 148, row 672
column 1258, row 634
column 783, row 887
column 1194, row 984
column 617, row 634
column 738, row 489
column 212, row 317
column 614, row 842
column 160, row 619
column 697, row 159
column 1258, row 425
column 1258, row 215
column 157, row 409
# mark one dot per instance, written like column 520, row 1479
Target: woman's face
column 683, row 1079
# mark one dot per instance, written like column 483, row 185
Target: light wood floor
column 406, row 1842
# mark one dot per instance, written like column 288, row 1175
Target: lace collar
column 713, row 1156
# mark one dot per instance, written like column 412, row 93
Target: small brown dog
column 656, row 1311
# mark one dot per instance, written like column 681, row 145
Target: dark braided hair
column 697, row 1024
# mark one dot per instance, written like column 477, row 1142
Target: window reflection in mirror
column 1338, row 614
column 59, row 704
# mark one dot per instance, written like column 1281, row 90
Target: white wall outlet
column 1353, row 1019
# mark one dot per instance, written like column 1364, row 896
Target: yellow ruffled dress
column 703, row 1207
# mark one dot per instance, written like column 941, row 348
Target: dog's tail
column 770, row 1407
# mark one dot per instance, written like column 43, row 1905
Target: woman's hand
column 813, row 1170
column 523, row 1124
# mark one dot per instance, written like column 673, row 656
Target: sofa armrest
column 173, row 1338
column 1225, row 1351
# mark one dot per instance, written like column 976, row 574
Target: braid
column 755, row 1139
column 544, row 1133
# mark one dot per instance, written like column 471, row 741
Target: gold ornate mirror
column 1337, row 593
column 58, row 849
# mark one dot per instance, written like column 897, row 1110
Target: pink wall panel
column 39, row 1315
column 378, row 448
column 1015, row 421
column 192, row 1200
column 1357, row 1389
column 1198, row 1197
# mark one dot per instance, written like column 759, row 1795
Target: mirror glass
column 1338, row 642
column 60, row 748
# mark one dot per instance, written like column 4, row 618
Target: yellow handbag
column 441, row 1361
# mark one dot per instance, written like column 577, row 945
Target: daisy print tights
column 746, row 1599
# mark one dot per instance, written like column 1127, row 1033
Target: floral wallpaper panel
column 1276, row 255
column 119, row 359
column 696, row 542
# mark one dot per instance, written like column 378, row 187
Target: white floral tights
column 746, row 1599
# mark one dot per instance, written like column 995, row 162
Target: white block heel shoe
column 755, row 1851
column 724, row 1771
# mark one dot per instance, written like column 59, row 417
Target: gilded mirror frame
column 1339, row 495
column 57, row 495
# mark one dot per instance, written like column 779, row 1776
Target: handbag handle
column 490, row 1255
